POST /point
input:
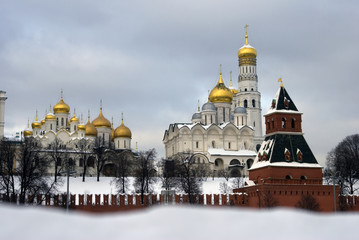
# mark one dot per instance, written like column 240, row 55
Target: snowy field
column 176, row 223
column 105, row 186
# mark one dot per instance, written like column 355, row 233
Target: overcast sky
column 153, row 60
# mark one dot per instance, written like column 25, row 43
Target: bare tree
column 344, row 159
column 308, row 202
column 124, row 160
column 30, row 174
column 56, row 153
column 268, row 201
column 188, row 175
column 224, row 173
column 7, row 169
column 168, row 176
column 84, row 147
column 99, row 149
column 143, row 172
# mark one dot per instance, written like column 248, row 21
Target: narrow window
column 229, row 145
column 57, row 122
column 51, row 126
column 205, row 120
column 293, row 123
column 253, row 103
column 62, row 121
column 224, row 115
column 245, row 102
column 124, row 143
column 197, row 144
column 283, row 122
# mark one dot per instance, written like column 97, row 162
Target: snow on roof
column 284, row 164
column 223, row 152
column 273, row 110
column 221, row 126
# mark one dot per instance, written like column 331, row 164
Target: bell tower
column 249, row 96
column 2, row 112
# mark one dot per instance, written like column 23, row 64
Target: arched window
column 245, row 103
column 57, row 122
column 283, row 122
column 303, row 177
column 288, row 177
column 253, row 103
column 234, row 162
column 213, row 144
column 62, row 121
column 293, row 122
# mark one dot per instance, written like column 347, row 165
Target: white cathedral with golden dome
column 59, row 124
column 227, row 132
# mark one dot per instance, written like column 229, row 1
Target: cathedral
column 66, row 130
column 227, row 132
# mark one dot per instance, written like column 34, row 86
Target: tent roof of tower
column 282, row 103
column 275, row 148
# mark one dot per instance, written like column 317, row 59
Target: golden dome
column 90, row 130
column 74, row 119
column 81, row 126
column 220, row 93
column 27, row 131
column 50, row 116
column 247, row 51
column 101, row 121
column 36, row 123
column 61, row 107
column 43, row 121
column 123, row 131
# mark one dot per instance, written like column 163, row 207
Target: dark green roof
column 283, row 94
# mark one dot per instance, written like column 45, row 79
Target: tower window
column 62, row 121
column 245, row 103
column 197, row 144
column 283, row 122
column 293, row 123
column 229, row 145
column 57, row 122
column 224, row 115
column 51, row 126
column 213, row 144
column 245, row 89
column 253, row 103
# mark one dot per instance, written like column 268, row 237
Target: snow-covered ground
column 170, row 222
column 105, row 186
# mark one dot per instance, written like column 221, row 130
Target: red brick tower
column 284, row 156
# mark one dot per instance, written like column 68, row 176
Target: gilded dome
column 247, row 51
column 61, row 107
column 43, row 121
column 220, row 93
column 90, row 130
column 74, row 119
column 27, row 131
column 50, row 116
column 123, row 131
column 36, row 123
column 81, row 126
column 101, row 121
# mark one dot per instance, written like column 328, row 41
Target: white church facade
column 227, row 132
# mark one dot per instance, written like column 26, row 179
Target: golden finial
column 112, row 121
column 101, row 104
column 50, row 109
column 122, row 117
column 198, row 106
column 246, row 27
column 136, row 147
column 230, row 77
column 220, row 69
column 28, row 123
column 74, row 112
column 36, row 119
column 281, row 82
column 88, row 116
column 62, row 93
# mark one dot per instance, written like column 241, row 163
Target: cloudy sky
column 153, row 60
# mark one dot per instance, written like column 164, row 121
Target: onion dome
column 74, row 119
column 101, row 121
column 27, row 131
column 90, row 130
column 197, row 116
column 208, row 106
column 43, row 121
column 81, row 126
column 220, row 93
column 50, row 115
column 123, row 132
column 36, row 123
column 240, row 110
column 61, row 106
column 247, row 51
